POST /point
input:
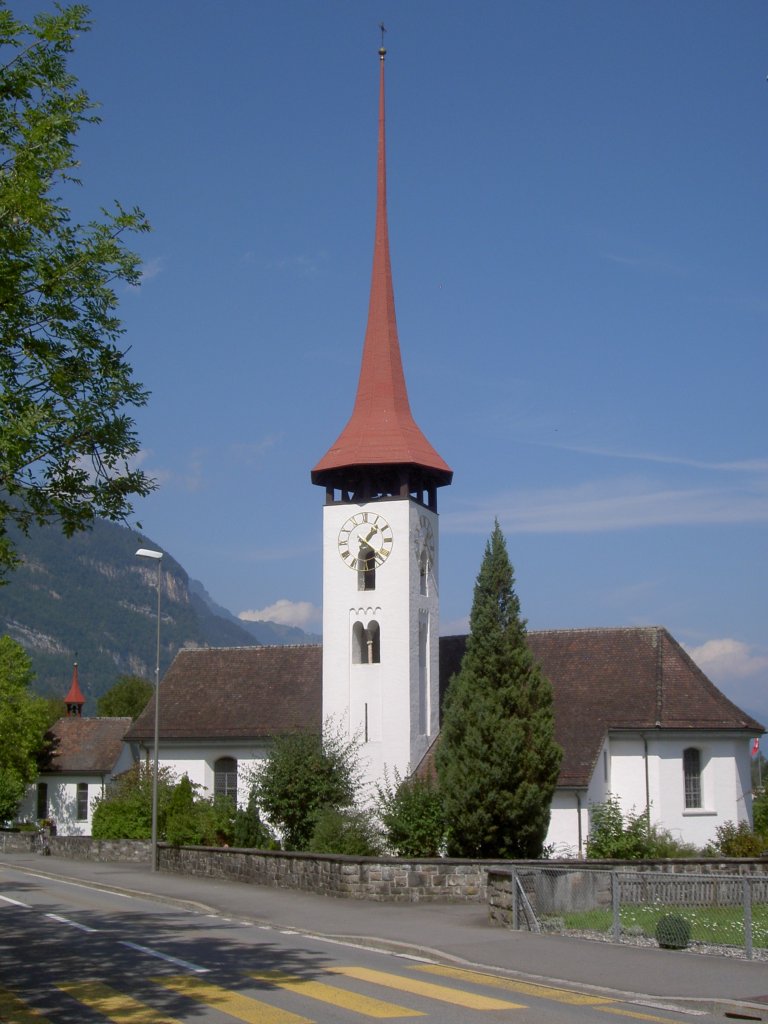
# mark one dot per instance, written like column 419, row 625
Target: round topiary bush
column 673, row 932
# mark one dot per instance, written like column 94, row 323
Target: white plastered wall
column 620, row 770
column 382, row 701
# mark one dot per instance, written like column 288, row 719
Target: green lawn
column 714, row 925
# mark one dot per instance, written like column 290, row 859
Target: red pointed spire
column 74, row 699
column 382, row 449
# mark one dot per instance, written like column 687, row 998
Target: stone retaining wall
column 80, row 847
column 385, row 879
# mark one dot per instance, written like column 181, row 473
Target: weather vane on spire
column 382, row 51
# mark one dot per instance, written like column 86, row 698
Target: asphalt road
column 72, row 954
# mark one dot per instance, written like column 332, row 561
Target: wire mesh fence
column 727, row 914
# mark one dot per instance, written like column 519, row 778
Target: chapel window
column 42, row 800
column 82, row 801
column 692, row 777
column 225, row 778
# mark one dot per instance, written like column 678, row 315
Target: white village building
column 84, row 755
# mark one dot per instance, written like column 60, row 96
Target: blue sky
column 577, row 211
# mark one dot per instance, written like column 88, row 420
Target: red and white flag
column 755, row 745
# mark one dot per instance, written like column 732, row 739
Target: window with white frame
column 225, row 778
column 82, row 801
column 692, row 777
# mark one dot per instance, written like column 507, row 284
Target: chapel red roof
column 74, row 699
column 381, row 431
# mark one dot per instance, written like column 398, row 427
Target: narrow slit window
column 82, row 801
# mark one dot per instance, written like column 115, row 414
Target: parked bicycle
column 41, row 844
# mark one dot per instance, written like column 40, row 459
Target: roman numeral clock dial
column 365, row 540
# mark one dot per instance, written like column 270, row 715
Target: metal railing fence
column 722, row 913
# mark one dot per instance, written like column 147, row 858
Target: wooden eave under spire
column 382, row 443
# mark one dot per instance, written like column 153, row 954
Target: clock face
column 365, row 540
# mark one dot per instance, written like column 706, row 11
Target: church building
column 635, row 716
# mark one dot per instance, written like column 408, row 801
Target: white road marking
column 163, row 956
column 82, row 885
column 72, row 924
column 16, row 903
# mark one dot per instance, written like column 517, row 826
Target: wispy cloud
column 285, row 612
column 616, row 504
column 736, row 465
column 301, row 264
column 193, row 470
column 149, row 271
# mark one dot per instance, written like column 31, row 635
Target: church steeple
column 74, row 699
column 381, row 451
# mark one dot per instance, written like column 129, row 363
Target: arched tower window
column 225, row 778
column 366, row 645
column 692, row 777
column 366, row 568
column 424, row 573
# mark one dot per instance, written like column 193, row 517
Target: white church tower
column 380, row 545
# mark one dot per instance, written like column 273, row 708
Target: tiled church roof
column 617, row 679
column 602, row 679
column 381, row 430
column 237, row 692
column 85, row 745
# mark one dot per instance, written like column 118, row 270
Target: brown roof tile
column 237, row 692
column 614, row 679
column 602, row 679
column 85, row 745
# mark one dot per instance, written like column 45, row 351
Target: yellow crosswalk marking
column 365, row 1005
column 244, row 1008
column 15, row 1011
column 636, row 1015
column 456, row 996
column 524, row 988
column 114, row 1005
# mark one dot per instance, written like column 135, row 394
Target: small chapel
column 636, row 718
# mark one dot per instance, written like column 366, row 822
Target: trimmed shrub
column 673, row 932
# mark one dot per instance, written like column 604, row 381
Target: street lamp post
column 157, row 555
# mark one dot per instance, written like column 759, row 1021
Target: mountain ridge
column 88, row 598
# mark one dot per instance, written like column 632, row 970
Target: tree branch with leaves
column 67, row 439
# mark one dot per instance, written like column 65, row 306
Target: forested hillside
column 90, row 599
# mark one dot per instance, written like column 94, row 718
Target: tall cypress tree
column 497, row 760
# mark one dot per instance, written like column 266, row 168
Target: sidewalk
column 458, row 933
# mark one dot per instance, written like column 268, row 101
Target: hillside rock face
column 90, row 599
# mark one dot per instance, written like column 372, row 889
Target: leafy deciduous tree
column 303, row 774
column 126, row 699
column 350, row 831
column 24, row 720
column 411, row 811
column 65, row 437
column 125, row 810
column 497, row 759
